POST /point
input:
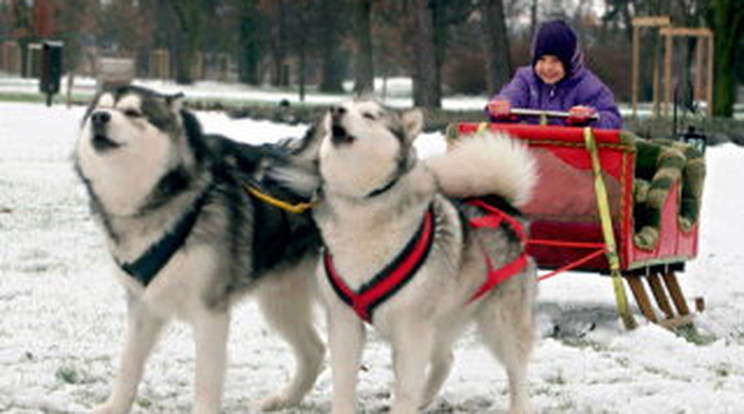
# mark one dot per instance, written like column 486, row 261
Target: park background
column 445, row 47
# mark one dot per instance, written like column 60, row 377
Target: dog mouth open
column 102, row 143
column 340, row 136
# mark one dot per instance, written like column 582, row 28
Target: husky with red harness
column 416, row 250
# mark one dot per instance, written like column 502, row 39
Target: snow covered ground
column 62, row 315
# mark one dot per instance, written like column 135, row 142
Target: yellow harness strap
column 292, row 208
column 603, row 205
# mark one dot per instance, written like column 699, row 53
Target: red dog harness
column 494, row 220
column 390, row 279
column 401, row 270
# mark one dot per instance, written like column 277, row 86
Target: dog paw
column 279, row 401
column 106, row 409
column 520, row 410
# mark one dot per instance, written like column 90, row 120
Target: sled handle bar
column 547, row 114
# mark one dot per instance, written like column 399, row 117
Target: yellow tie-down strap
column 292, row 208
column 603, row 205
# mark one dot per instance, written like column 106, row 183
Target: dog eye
column 369, row 116
column 132, row 113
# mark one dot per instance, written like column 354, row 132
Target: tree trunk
column 250, row 49
column 332, row 67
column 533, row 18
column 496, row 45
column 362, row 32
column 727, row 22
column 188, row 30
column 427, row 90
column 279, row 47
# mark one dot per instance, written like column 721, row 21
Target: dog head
column 130, row 138
column 366, row 146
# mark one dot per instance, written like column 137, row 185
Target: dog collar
column 403, row 167
column 154, row 259
column 383, row 188
column 391, row 278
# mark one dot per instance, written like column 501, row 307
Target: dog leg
column 345, row 339
column 210, row 333
column 439, row 370
column 143, row 328
column 412, row 351
column 288, row 309
column 508, row 333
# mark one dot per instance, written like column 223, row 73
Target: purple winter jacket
column 581, row 87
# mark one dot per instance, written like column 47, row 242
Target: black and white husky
column 189, row 238
column 412, row 262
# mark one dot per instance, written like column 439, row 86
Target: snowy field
column 62, row 315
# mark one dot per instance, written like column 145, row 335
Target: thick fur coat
column 374, row 196
column 189, row 240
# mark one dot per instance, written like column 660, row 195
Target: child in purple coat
column 557, row 81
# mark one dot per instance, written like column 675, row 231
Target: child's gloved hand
column 580, row 115
column 499, row 110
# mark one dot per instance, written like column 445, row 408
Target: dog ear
column 413, row 122
column 175, row 101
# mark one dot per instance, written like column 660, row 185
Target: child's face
column 550, row 69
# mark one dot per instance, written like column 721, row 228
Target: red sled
column 566, row 231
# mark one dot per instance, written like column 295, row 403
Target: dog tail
column 492, row 163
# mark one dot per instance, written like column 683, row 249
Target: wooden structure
column 33, row 61
column 582, row 216
column 11, row 57
column 640, row 23
column 114, row 72
column 704, row 37
column 663, row 25
column 160, row 64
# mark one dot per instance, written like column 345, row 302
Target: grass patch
column 144, row 402
column 692, row 335
column 556, row 379
column 722, row 371
column 21, row 97
column 26, row 97
column 67, row 374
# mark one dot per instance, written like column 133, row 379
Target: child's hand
column 499, row 109
column 580, row 115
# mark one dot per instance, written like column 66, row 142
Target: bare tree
column 727, row 21
column 331, row 31
column 362, row 32
column 251, row 40
column 496, row 44
column 427, row 89
column 279, row 43
column 189, row 22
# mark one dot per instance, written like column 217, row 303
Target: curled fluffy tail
column 491, row 163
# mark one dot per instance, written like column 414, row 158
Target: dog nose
column 100, row 117
column 337, row 111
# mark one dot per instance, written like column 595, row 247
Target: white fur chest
column 364, row 239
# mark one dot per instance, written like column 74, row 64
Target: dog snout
column 337, row 112
column 100, row 118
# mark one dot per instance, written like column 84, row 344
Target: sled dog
column 189, row 234
column 411, row 252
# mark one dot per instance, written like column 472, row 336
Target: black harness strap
column 154, row 259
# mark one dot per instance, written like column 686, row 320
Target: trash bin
column 51, row 68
